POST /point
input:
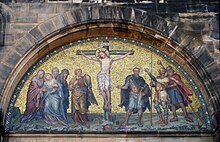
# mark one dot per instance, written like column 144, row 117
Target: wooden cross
column 105, row 44
column 111, row 52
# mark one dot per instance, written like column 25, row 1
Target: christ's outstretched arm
column 122, row 56
column 88, row 57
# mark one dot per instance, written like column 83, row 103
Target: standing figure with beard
column 61, row 78
column 135, row 95
column 161, row 98
column 81, row 97
column 104, row 79
column 179, row 94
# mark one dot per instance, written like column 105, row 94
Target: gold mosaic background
column 120, row 69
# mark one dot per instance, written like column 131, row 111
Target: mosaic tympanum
column 107, row 84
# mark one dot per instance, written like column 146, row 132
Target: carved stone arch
column 106, row 21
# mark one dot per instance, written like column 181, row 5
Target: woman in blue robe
column 61, row 78
column 53, row 95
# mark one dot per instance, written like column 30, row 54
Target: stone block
column 176, row 36
column 45, row 16
column 74, row 15
column 4, row 71
column 65, row 7
column 105, row 13
column 95, row 15
column 213, row 70
column 169, row 29
column 190, row 25
column 30, row 38
column 36, row 33
column 203, row 57
column 12, row 58
column 19, row 35
column 25, row 18
column 1, row 87
column 127, row 13
column 216, row 102
column 216, row 81
column 139, row 16
column 117, row 14
column 216, row 56
column 36, row 8
column 23, row 46
column 19, row 8
column 4, row 49
column 9, row 39
column 209, row 46
column 47, row 27
column 85, row 14
column 60, row 21
column 22, row 26
column 156, row 22
column 171, row 17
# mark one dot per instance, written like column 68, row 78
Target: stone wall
column 196, row 29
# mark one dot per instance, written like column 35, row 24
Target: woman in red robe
column 35, row 101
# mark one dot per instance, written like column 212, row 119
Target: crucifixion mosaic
column 107, row 84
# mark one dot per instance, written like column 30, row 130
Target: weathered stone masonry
column 26, row 26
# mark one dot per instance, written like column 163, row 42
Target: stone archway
column 105, row 21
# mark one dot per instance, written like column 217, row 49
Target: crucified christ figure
column 104, row 79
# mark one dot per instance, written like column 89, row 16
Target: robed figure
column 82, row 97
column 179, row 94
column 61, row 78
column 53, row 95
column 35, row 101
column 135, row 96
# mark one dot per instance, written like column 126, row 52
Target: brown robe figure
column 82, row 97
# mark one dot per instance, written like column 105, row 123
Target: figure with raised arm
column 161, row 97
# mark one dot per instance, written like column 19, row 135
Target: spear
column 151, row 107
